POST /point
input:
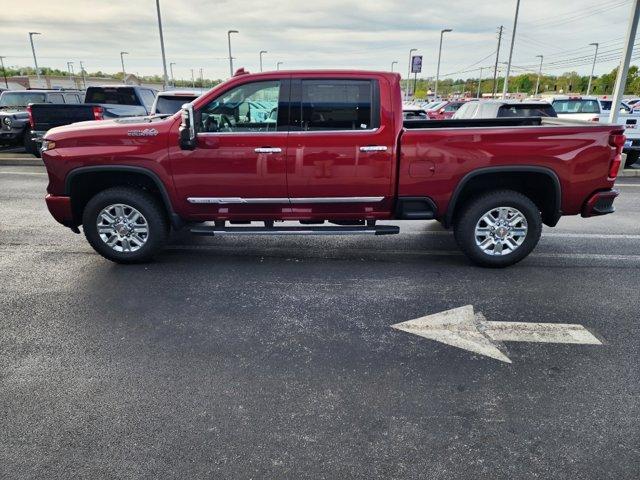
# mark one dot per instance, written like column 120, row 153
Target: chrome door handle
column 373, row 148
column 268, row 150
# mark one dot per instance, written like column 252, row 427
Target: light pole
column 406, row 92
column 480, row 83
column 83, row 73
column 513, row 41
column 261, row 53
column 278, row 65
column 164, row 59
column 229, row 32
column 201, row 79
column 595, row 56
column 539, row 75
column 71, row 72
column 395, row 62
column 4, row 72
column 33, row 50
column 193, row 79
column 173, row 82
column 442, row 32
column 124, row 73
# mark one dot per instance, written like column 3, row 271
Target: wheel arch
column 511, row 177
column 101, row 177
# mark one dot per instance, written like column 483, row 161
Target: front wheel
column 125, row 225
column 499, row 228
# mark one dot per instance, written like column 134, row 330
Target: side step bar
column 355, row 230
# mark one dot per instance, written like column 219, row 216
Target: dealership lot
column 274, row 357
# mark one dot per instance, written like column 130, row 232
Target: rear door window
column 55, row 98
column 148, row 97
column 337, row 105
column 71, row 98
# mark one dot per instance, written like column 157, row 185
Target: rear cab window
column 526, row 111
column 336, row 104
column 115, row 96
column 576, row 106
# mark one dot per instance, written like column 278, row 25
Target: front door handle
column 373, row 148
column 268, row 150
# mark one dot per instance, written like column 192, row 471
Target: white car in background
column 594, row 109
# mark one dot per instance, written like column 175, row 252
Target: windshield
column 170, row 105
column 20, row 99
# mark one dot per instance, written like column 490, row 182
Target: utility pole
column 406, row 92
column 229, row 32
column 164, row 59
column 393, row 63
column 505, row 88
column 201, row 79
column 480, row 84
column 124, row 73
column 261, row 53
column 442, row 32
column 33, row 50
column 623, row 69
column 193, row 80
column 595, row 56
column 173, row 82
column 278, row 65
column 4, row 72
column 71, row 72
column 83, row 73
column 539, row 75
column 495, row 68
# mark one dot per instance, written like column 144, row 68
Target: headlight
column 48, row 145
column 7, row 121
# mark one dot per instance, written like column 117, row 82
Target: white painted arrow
column 462, row 328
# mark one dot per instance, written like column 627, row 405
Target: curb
column 21, row 162
column 630, row 172
column 16, row 155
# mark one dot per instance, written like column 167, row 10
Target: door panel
column 238, row 166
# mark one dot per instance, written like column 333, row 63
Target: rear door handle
column 373, row 148
column 268, row 150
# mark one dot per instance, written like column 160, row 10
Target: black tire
column 27, row 143
column 476, row 208
column 151, row 210
column 632, row 158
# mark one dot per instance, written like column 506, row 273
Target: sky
column 364, row 34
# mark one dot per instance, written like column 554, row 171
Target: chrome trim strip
column 267, row 150
column 373, row 148
column 240, row 200
column 337, row 200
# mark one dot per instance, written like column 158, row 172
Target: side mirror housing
column 187, row 129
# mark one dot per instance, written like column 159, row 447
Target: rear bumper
column 600, row 203
column 60, row 209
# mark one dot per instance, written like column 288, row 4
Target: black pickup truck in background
column 99, row 103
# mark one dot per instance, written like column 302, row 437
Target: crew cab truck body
column 334, row 155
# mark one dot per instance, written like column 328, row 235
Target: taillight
column 98, row 113
column 33, row 126
column 616, row 140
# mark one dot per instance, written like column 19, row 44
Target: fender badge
column 147, row 132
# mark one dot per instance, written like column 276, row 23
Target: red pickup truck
column 330, row 150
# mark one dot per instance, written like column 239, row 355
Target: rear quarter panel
column 434, row 161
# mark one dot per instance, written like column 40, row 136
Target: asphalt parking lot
column 242, row 357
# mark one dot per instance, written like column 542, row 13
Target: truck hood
column 118, row 128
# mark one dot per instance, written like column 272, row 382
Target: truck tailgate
column 46, row 116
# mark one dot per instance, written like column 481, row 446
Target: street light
column 71, row 72
column 595, row 55
column 4, row 72
column 229, row 32
column 513, row 41
column 83, row 73
column 164, row 59
column 33, row 50
column 539, row 75
column 442, row 32
column 193, row 79
column 278, row 65
column 201, row 79
column 406, row 92
column 395, row 62
column 124, row 73
column 261, row 52
column 173, row 82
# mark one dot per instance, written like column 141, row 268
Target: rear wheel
column 125, row 225
column 499, row 228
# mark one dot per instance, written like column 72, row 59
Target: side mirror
column 187, row 130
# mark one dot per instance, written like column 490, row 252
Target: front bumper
column 600, row 203
column 60, row 209
column 11, row 136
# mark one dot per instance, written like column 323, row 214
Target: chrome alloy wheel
column 501, row 230
column 122, row 227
